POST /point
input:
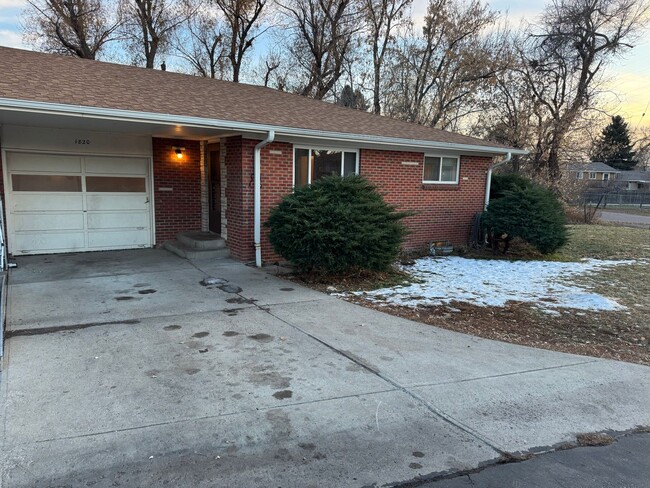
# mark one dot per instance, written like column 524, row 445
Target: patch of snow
column 493, row 283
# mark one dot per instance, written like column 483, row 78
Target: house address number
column 82, row 141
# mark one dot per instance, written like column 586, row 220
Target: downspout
column 258, row 196
column 488, row 180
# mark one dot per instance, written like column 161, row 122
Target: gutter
column 488, row 179
column 257, row 157
column 199, row 122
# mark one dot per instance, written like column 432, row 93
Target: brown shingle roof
column 27, row 75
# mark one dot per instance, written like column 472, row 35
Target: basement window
column 310, row 164
column 441, row 169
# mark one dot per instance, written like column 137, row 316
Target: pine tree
column 614, row 147
column 353, row 99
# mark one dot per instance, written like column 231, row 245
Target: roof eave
column 199, row 122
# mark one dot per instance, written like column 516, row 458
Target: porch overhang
column 27, row 112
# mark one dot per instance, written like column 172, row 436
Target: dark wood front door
column 214, row 188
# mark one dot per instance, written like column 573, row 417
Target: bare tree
column 201, row 44
column 74, row 27
column 562, row 62
column 511, row 117
column 324, row 33
column 149, row 26
column 242, row 28
column 382, row 17
column 436, row 76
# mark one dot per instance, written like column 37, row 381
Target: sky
column 629, row 77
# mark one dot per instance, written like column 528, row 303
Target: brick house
column 99, row 156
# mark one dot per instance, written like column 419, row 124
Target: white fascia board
column 199, row 122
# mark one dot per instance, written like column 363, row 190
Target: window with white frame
column 605, row 176
column 441, row 169
column 592, row 176
column 578, row 175
column 310, row 164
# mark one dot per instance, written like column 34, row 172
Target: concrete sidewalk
column 124, row 370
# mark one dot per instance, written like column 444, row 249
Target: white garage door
column 65, row 203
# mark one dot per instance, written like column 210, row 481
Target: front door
column 214, row 188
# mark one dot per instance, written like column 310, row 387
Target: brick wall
column 441, row 211
column 277, row 174
column 239, row 195
column 177, row 210
column 277, row 181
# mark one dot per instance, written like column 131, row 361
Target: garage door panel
column 48, row 222
column 31, row 202
column 120, row 201
column 43, row 163
column 124, row 166
column 118, row 238
column 60, row 203
column 32, row 242
column 118, row 220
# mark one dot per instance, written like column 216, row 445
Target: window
column 311, row 164
column 592, row 176
column 578, row 175
column 605, row 176
column 45, row 183
column 116, row 184
column 441, row 169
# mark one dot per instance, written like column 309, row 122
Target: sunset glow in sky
column 629, row 77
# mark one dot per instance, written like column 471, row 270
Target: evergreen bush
column 502, row 183
column 533, row 214
column 337, row 224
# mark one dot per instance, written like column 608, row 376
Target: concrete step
column 188, row 252
column 201, row 240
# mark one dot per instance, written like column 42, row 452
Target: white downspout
column 488, row 180
column 258, row 197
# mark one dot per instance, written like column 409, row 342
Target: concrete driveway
column 123, row 370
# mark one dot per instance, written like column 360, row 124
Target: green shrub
column 502, row 183
column 533, row 214
column 337, row 225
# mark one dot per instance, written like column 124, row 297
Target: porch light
column 178, row 151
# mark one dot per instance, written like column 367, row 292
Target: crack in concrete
column 61, row 328
column 501, row 375
column 194, row 419
column 435, row 411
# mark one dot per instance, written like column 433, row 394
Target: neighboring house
column 99, row 156
column 635, row 180
column 598, row 173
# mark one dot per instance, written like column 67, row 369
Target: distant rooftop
column 634, row 176
column 593, row 167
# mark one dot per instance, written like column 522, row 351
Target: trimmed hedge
column 337, row 225
column 530, row 212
